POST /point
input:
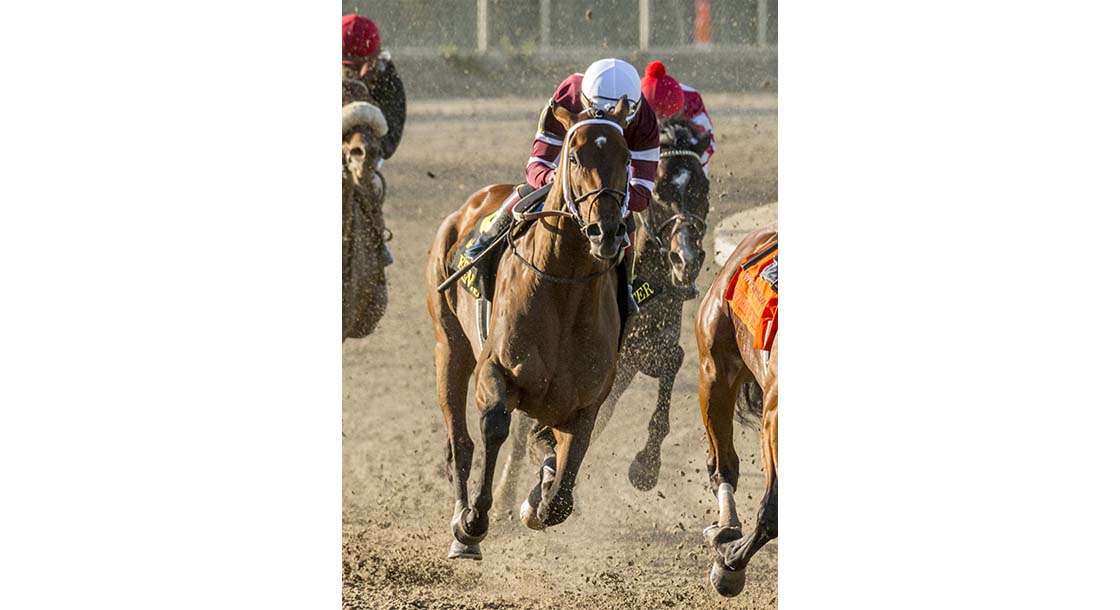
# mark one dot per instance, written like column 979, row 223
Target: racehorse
column 364, row 291
column 669, row 254
column 728, row 360
column 552, row 343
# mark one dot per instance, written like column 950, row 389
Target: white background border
column 171, row 367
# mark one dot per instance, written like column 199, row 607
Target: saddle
column 480, row 281
column 754, row 298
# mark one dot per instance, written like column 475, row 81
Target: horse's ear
column 668, row 137
column 621, row 109
column 702, row 143
column 565, row 117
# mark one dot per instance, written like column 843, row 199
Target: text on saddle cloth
column 754, row 300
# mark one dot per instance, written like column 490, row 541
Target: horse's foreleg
column 453, row 372
column 506, row 493
column 646, row 467
column 471, row 524
column 572, row 440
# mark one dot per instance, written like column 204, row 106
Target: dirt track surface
column 623, row 548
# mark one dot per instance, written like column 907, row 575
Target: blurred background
column 466, row 48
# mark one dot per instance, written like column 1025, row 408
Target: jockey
column 601, row 86
column 365, row 61
column 669, row 98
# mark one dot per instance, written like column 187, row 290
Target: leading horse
column 552, row 344
column 728, row 360
column 669, row 254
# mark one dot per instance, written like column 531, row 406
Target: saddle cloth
column 479, row 281
column 755, row 302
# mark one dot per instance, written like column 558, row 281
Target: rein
column 559, row 279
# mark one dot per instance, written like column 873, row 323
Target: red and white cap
column 360, row 39
column 662, row 91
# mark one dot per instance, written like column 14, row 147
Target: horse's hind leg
column 721, row 373
column 470, row 525
column 739, row 552
column 646, row 467
column 622, row 379
column 453, row 369
column 505, row 496
column 572, row 440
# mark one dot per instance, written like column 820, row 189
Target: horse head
column 592, row 174
column 681, row 207
column 363, row 126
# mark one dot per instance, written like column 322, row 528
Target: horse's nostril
column 675, row 258
column 357, row 151
column 594, row 230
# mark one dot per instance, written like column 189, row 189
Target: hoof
column 715, row 535
column 725, row 581
column 529, row 516
column 460, row 531
column 644, row 471
column 464, row 551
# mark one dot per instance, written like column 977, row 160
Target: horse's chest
column 561, row 365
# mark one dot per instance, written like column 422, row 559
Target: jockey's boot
column 632, row 307
column 386, row 254
column 498, row 225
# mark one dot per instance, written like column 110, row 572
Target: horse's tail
column 748, row 405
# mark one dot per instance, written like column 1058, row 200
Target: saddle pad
column 479, row 280
column 755, row 302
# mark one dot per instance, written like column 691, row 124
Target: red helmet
column 360, row 39
column 662, row 91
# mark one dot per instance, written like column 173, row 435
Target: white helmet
column 606, row 81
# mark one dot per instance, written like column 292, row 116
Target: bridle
column 572, row 202
column 656, row 229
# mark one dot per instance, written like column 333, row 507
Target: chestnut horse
column 364, row 290
column 554, row 327
column 669, row 254
column 727, row 361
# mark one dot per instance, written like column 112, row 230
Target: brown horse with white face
column 554, row 329
column 364, row 289
column 728, row 360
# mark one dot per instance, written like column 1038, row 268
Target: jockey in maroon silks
column 601, row 86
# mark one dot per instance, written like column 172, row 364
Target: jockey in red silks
column 601, row 86
column 364, row 60
column 669, row 98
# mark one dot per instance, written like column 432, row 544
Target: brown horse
column 727, row 361
column 364, row 291
column 669, row 254
column 554, row 329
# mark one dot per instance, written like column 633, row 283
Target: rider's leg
column 628, row 265
column 501, row 221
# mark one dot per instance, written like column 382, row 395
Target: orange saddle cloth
column 755, row 302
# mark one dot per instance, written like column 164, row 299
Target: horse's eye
column 572, row 159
